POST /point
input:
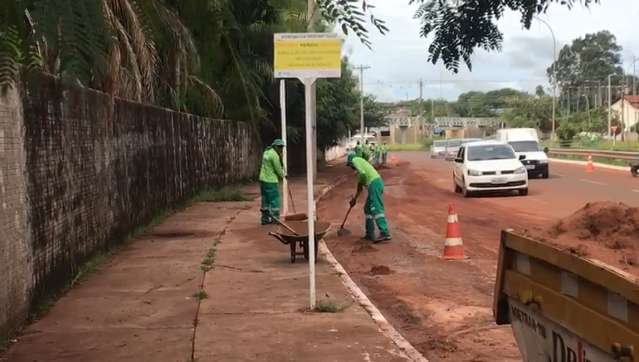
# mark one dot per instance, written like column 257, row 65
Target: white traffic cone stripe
column 452, row 219
column 454, row 242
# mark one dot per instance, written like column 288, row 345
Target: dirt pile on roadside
column 615, row 225
column 606, row 231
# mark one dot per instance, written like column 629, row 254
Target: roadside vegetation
column 407, row 147
column 224, row 194
column 327, row 306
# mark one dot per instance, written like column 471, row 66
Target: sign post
column 284, row 152
column 307, row 57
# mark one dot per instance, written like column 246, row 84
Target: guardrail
column 613, row 155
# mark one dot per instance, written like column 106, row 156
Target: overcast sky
column 398, row 60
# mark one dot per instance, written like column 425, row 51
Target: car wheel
column 465, row 191
column 545, row 175
column 523, row 192
column 457, row 188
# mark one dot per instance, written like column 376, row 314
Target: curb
column 386, row 328
column 410, row 353
column 597, row 164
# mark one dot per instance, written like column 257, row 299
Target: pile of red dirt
column 606, row 231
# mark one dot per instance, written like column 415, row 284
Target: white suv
column 489, row 166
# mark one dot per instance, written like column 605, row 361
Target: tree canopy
column 457, row 28
column 587, row 59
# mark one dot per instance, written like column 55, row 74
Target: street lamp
column 634, row 74
column 554, row 71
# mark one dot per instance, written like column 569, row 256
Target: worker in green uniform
column 359, row 149
column 374, row 208
column 366, row 151
column 384, row 154
column 378, row 155
column 271, row 173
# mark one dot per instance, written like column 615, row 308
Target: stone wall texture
column 93, row 169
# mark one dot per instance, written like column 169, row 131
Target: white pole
column 609, row 108
column 554, row 71
column 284, row 152
column 361, row 102
column 308, row 84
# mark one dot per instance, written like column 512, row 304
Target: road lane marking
column 593, row 182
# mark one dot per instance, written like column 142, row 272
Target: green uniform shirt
column 365, row 172
column 271, row 170
column 384, row 149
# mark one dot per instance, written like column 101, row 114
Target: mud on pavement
column 443, row 308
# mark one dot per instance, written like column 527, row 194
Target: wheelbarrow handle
column 280, row 222
column 278, row 237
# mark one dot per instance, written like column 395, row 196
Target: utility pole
column 609, row 107
column 421, row 106
column 634, row 75
column 312, row 18
column 361, row 68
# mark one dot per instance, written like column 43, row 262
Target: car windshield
column 490, row 152
column 454, row 143
column 525, row 146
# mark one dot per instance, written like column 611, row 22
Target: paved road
column 568, row 188
column 444, row 308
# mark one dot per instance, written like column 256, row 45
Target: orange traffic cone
column 454, row 244
column 590, row 167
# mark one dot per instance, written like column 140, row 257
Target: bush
column 566, row 132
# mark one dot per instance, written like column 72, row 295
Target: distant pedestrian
column 377, row 155
column 374, row 208
column 359, row 149
column 271, row 173
column 384, row 154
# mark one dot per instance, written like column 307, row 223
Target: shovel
column 278, row 221
column 345, row 232
column 295, row 216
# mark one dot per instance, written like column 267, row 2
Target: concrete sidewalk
column 141, row 307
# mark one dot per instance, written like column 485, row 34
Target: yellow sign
column 308, row 55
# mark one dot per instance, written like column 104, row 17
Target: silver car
column 438, row 149
column 453, row 146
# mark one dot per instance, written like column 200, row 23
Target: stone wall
column 16, row 267
column 98, row 167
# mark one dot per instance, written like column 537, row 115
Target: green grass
column 407, row 147
column 600, row 145
column 326, row 306
column 200, row 295
column 605, row 161
column 4, row 344
column 224, row 194
column 209, row 259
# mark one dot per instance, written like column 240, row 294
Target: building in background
column 627, row 110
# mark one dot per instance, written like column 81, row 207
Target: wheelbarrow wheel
column 306, row 248
column 293, row 251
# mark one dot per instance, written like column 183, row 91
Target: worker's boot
column 383, row 238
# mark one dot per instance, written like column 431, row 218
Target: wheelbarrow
column 300, row 242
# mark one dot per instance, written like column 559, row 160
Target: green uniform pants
column 374, row 210
column 270, row 201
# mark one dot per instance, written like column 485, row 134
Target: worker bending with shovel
column 271, row 173
column 374, row 208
